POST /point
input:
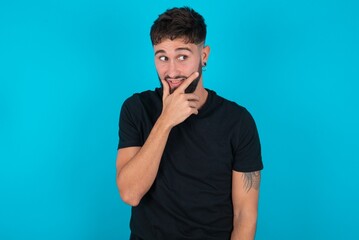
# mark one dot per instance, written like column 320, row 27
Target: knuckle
column 183, row 97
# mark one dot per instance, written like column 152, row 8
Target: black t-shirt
column 191, row 196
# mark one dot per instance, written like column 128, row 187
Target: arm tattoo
column 251, row 179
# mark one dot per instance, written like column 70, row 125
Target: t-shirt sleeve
column 247, row 148
column 129, row 130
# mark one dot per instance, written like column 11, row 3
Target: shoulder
column 230, row 107
column 143, row 98
column 143, row 105
column 234, row 115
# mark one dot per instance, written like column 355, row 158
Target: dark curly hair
column 181, row 22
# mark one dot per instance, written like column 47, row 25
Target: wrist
column 164, row 124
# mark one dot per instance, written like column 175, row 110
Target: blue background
column 67, row 66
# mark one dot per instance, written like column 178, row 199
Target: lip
column 175, row 82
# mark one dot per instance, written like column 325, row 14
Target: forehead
column 175, row 45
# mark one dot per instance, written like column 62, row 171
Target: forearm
column 137, row 176
column 244, row 226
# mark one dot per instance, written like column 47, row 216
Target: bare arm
column 137, row 167
column 245, row 191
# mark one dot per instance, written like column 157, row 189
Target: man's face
column 176, row 60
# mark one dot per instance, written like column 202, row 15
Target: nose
column 172, row 70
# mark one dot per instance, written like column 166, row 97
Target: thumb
column 182, row 88
column 166, row 89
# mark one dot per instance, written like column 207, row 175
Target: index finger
column 166, row 89
column 187, row 82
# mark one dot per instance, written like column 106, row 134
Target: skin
column 245, row 191
column 176, row 60
column 177, row 64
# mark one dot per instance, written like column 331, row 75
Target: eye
column 163, row 58
column 182, row 57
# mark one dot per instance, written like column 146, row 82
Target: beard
column 192, row 87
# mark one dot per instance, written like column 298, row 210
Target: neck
column 202, row 93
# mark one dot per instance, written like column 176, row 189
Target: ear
column 205, row 54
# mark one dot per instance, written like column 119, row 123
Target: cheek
column 190, row 68
column 160, row 68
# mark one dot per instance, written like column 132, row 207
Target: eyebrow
column 184, row 48
column 177, row 49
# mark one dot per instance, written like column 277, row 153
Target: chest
column 199, row 154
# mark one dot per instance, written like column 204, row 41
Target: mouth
column 174, row 83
